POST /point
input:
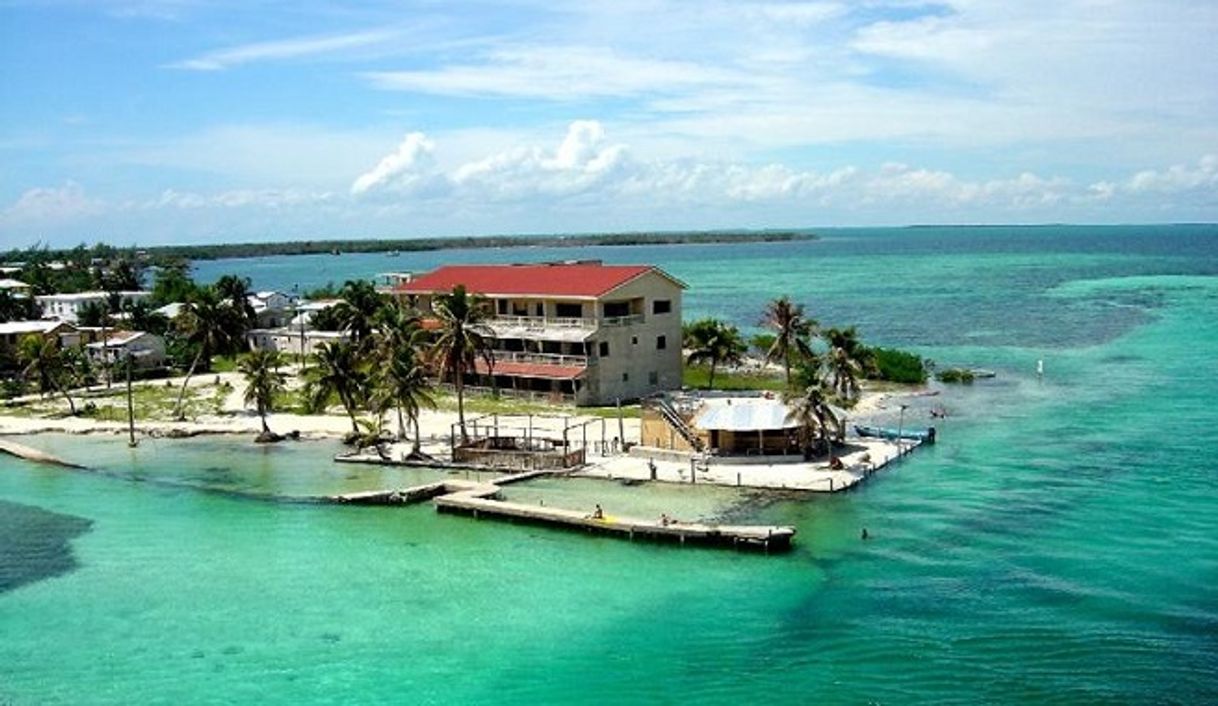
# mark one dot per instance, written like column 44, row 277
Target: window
column 604, row 349
column 634, row 340
column 661, row 306
column 661, row 343
column 569, row 311
column 541, row 309
column 615, row 309
column 653, row 378
column 625, row 377
column 502, row 304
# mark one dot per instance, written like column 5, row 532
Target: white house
column 67, row 307
column 147, row 350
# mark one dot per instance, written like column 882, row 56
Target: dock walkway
column 479, row 499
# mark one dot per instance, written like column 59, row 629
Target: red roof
column 532, row 370
column 552, row 280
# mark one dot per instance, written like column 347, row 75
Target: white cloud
column 558, row 73
column 587, row 181
column 281, row 49
column 1178, row 178
column 61, row 204
column 406, row 169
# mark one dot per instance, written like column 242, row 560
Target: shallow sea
column 1060, row 543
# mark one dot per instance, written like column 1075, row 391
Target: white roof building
column 67, row 307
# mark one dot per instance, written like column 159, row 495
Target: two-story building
column 67, row 307
column 580, row 331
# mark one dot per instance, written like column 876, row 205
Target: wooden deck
column 479, row 500
column 767, row 538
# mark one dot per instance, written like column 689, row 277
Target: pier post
column 693, row 471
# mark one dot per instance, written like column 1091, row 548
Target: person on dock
column 598, row 513
column 665, row 520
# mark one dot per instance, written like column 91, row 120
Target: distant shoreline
column 225, row 251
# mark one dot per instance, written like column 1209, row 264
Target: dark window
column 541, row 309
column 570, row 311
column 604, row 349
column 653, row 378
column 634, row 340
column 625, row 377
column 661, row 342
column 661, row 306
column 502, row 303
column 616, row 309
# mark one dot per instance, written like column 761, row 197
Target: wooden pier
column 767, row 538
column 480, row 500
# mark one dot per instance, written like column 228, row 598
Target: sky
column 184, row 121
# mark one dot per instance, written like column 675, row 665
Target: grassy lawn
column 483, row 404
column 152, row 402
column 696, row 377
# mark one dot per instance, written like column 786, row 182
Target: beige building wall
column 636, row 364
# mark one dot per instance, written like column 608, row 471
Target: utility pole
column 131, row 442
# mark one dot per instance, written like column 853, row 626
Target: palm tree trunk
column 786, row 364
column 460, row 385
column 177, row 408
column 418, row 441
column 349, row 405
column 710, row 382
column 401, row 424
column 262, row 413
column 63, row 391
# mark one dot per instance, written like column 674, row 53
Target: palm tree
column 401, row 381
column 847, row 361
column 234, row 291
column 713, row 341
column 464, row 338
column 358, row 309
column 43, row 359
column 792, row 331
column 810, row 409
column 263, row 382
column 371, row 432
column 400, row 378
column 204, row 321
column 336, row 372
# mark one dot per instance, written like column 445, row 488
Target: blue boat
column 890, row 434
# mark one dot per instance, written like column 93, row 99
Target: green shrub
column 897, row 366
column 960, row 375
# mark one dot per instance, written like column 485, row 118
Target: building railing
column 541, row 322
column 629, row 320
column 540, row 358
column 531, row 395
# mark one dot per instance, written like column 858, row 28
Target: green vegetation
column 956, row 375
column 894, row 365
column 698, row 377
column 713, row 342
column 263, row 382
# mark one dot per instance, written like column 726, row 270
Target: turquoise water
column 1059, row 545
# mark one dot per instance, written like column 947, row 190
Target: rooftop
column 588, row 279
column 20, row 327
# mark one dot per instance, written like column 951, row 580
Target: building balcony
column 540, row 358
column 539, row 323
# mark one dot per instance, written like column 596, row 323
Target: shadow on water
column 36, row 544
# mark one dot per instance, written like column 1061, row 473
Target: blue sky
column 161, row 121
